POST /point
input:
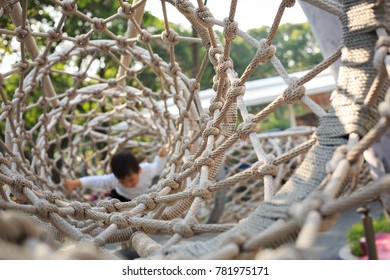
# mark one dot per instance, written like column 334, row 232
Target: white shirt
column 109, row 181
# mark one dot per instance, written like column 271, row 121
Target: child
column 128, row 178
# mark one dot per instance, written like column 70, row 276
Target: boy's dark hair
column 123, row 163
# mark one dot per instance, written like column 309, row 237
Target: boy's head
column 126, row 168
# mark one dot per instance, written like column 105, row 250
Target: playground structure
column 287, row 194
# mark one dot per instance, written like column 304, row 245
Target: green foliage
column 356, row 232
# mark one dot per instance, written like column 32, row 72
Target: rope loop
column 174, row 68
column 68, row 7
column 246, row 128
column 79, row 209
column 145, row 36
column 148, row 200
column 223, row 65
column 99, row 25
column 213, row 51
column 189, row 162
column 216, row 105
column 294, row 92
column 19, row 183
column 183, row 227
column 51, row 197
column 264, row 53
column 44, row 208
column 210, row 131
column 126, row 10
column 82, row 41
column 202, row 193
column 108, row 205
column 235, row 91
column 121, row 42
column 171, row 183
column 119, row 219
column 203, row 161
column 194, row 85
column 55, row 36
column 204, row 15
column 170, row 37
column 41, row 60
column 22, row 33
column 261, row 170
column 230, row 29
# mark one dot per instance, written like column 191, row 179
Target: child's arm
column 72, row 184
column 92, row 182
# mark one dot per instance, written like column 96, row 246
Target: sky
column 249, row 14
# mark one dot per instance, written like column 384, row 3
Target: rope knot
column 54, row 35
column 126, row 10
column 194, row 85
column 183, row 227
column 171, row 183
column 223, row 65
column 174, row 68
column 170, row 37
column 44, row 208
column 121, row 42
column 175, row 159
column 41, row 60
column 235, row 91
column 19, row 183
column 188, row 163
column 145, row 36
column 264, row 53
column 119, row 219
column 202, row 193
column 147, row 92
column 156, row 60
column 267, row 168
column 294, row 92
column 82, row 41
column 79, row 209
column 112, row 82
column 148, row 200
column 210, row 131
column 163, row 95
column 246, row 128
column 213, row 51
column 205, row 16
column 203, row 161
column 51, row 197
column 216, row 105
column 99, row 25
column 108, row 205
column 230, row 29
column 22, row 33
column 68, row 7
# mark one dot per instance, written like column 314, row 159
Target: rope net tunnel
column 289, row 193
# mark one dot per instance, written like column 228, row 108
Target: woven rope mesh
column 51, row 132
